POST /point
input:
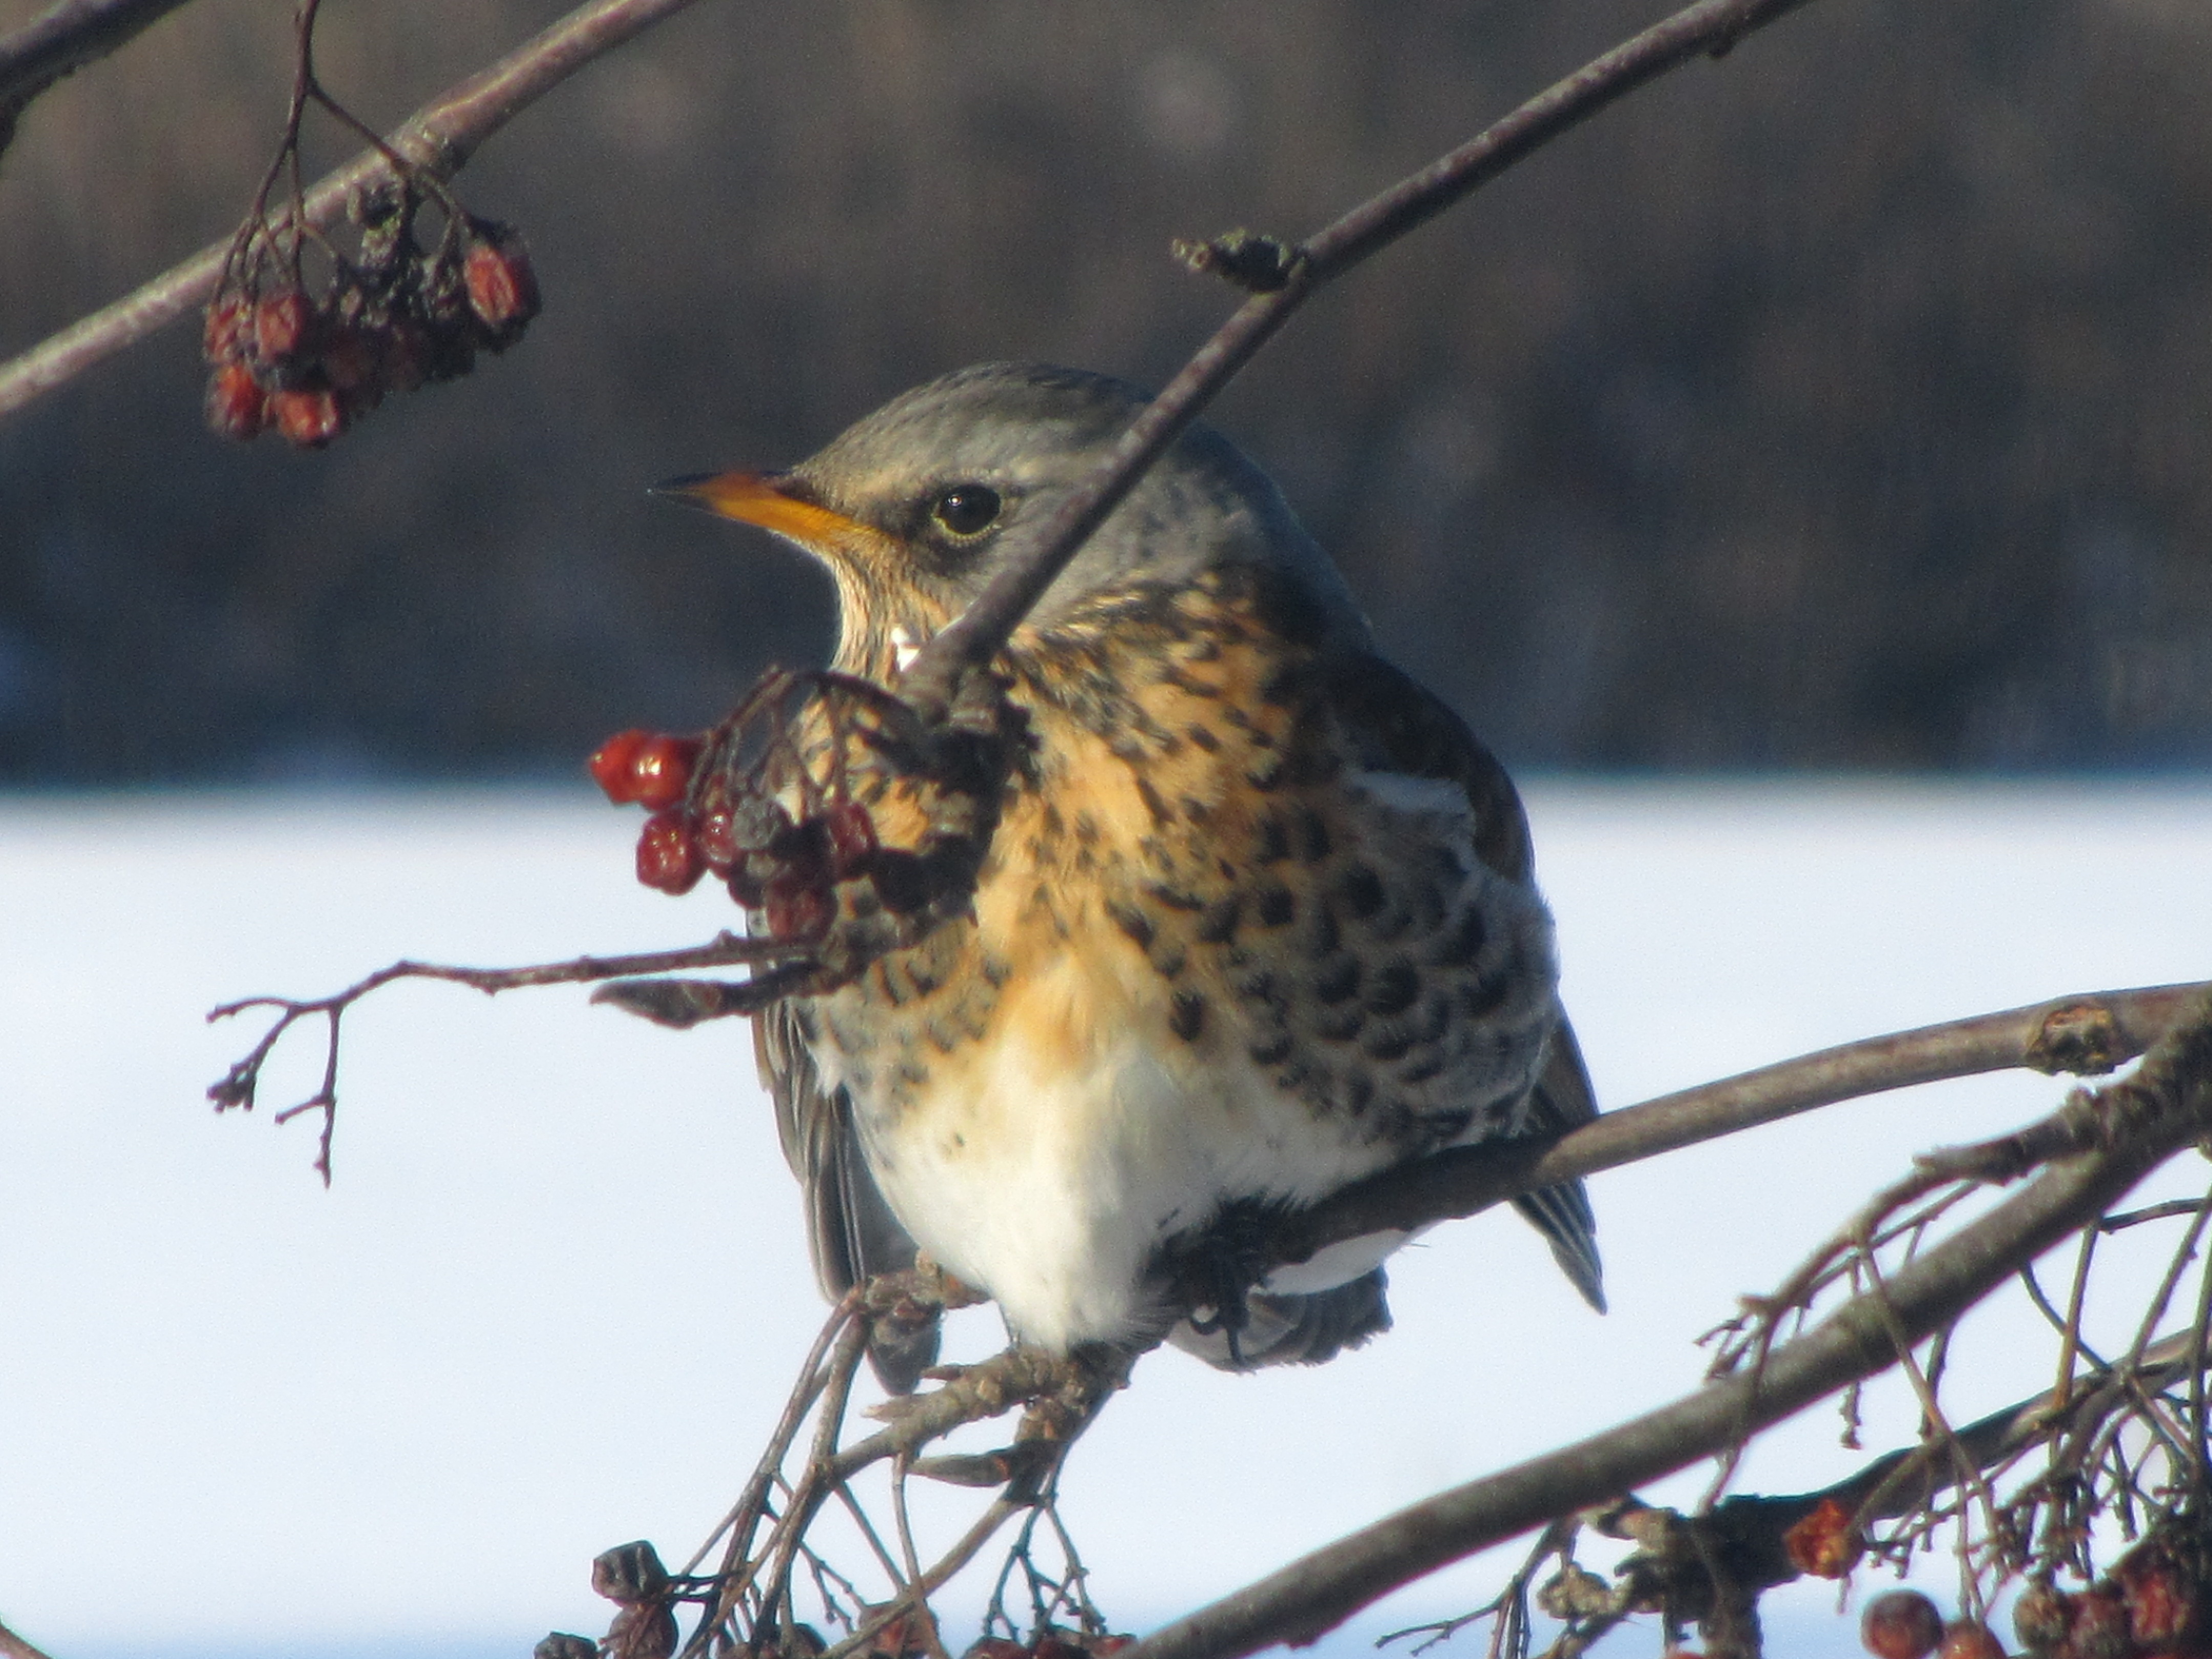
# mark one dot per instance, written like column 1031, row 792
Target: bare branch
column 68, row 36
column 1292, row 277
column 2167, row 1104
column 13, row 1646
column 440, row 137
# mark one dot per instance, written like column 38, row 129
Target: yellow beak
column 759, row 498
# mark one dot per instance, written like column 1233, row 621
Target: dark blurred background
column 1846, row 403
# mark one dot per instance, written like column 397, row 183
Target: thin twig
column 1708, row 26
column 439, row 138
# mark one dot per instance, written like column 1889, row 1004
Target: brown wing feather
column 849, row 1228
column 1405, row 729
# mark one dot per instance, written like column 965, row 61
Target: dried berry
column 2041, row 1617
column 2098, row 1629
column 718, row 844
column 350, row 360
column 1054, row 1644
column 851, row 834
column 796, row 909
column 661, row 769
column 1900, row 1624
column 502, row 288
column 307, row 417
column 236, row 405
column 1969, row 1640
column 2160, row 1595
column 667, row 857
column 994, row 1647
column 610, row 764
column 645, row 1631
column 280, row 322
column 222, row 337
column 1823, row 1544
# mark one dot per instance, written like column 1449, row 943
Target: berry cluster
column 2151, row 1604
column 1906, row 1625
column 786, row 869
column 391, row 318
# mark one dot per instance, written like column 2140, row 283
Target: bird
column 1258, row 919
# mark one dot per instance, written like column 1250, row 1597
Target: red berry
column 1823, row 1545
column 667, row 857
column 610, row 764
column 502, row 288
column 309, row 417
column 852, row 836
column 661, row 769
column 718, row 843
column 1968, row 1640
column 1900, row 1624
column 236, row 405
column 280, row 325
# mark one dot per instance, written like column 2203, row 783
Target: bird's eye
column 968, row 509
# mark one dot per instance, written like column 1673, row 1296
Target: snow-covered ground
column 557, row 1290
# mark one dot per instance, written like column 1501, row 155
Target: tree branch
column 72, row 34
column 1294, row 275
column 440, row 137
column 2148, row 1117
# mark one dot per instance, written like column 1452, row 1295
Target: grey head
column 915, row 508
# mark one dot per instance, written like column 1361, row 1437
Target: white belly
column 1049, row 1163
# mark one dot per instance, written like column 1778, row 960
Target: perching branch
column 440, row 137
column 2144, row 1120
column 1290, row 275
column 69, row 35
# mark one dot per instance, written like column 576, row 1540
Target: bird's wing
column 1403, row 728
column 849, row 1228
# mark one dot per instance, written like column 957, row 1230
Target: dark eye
column 968, row 509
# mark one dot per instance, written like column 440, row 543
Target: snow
column 555, row 1294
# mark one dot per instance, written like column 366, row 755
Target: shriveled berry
column 308, row 416
column 222, row 336
column 2099, row 1626
column 646, row 1631
column 2162, row 1597
column 661, row 769
column 502, row 287
column 1969, row 1640
column 281, row 323
column 610, row 764
column 2042, row 1616
column 851, row 834
column 667, row 858
column 349, row 361
column 1823, row 1544
column 796, row 910
column 994, row 1647
column 718, row 844
column 237, row 407
column 1900, row 1624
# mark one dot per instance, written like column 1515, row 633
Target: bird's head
column 917, row 506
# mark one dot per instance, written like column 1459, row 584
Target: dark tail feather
column 1563, row 1215
column 1293, row 1330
